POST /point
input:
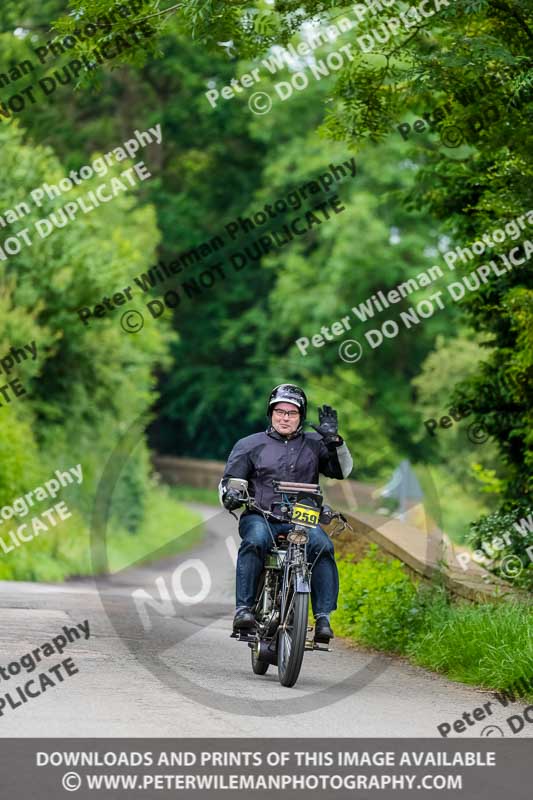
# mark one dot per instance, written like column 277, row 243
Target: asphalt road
column 179, row 673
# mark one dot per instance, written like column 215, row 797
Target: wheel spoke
column 287, row 632
column 292, row 634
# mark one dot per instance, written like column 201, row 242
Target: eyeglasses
column 291, row 414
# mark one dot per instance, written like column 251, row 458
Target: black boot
column 323, row 632
column 243, row 619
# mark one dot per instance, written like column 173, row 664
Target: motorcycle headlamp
column 297, row 536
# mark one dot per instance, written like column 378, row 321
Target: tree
column 437, row 64
column 220, row 163
column 87, row 381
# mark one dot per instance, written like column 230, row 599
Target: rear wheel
column 292, row 633
column 260, row 667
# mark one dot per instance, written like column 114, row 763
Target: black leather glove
column 232, row 499
column 328, row 426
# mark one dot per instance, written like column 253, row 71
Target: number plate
column 305, row 515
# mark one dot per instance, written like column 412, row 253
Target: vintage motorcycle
column 282, row 601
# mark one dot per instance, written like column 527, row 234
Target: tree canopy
column 464, row 71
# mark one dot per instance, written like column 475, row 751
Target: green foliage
column 64, row 551
column 453, row 360
column 498, row 524
column 88, row 383
column 27, row 14
column 484, row 645
column 460, row 468
column 230, row 163
column 377, row 602
column 500, row 393
column 237, row 340
column 453, row 503
column 439, row 63
column 98, row 12
column 487, row 479
column 18, row 455
column 347, row 393
column 193, row 494
column 167, row 525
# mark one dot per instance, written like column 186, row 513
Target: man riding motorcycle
column 285, row 453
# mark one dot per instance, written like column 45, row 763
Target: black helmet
column 288, row 393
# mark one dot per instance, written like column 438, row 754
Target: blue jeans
column 257, row 541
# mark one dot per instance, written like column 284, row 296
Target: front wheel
column 292, row 635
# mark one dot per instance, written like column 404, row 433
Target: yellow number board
column 305, row 515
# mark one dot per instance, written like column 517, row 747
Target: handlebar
column 338, row 516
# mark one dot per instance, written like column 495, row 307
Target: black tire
column 258, row 666
column 291, row 642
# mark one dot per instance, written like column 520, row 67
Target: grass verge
column 193, row 494
column 486, row 645
column 64, row 551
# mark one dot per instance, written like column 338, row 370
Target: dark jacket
column 264, row 457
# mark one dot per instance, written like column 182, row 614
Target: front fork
column 296, row 574
column 297, row 563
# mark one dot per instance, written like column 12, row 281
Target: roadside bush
column 490, row 531
column 377, row 603
column 18, row 456
column 64, row 550
column 488, row 645
column 88, row 383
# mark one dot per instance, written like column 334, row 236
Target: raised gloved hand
column 232, row 499
column 328, row 426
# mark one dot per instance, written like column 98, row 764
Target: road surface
column 183, row 676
